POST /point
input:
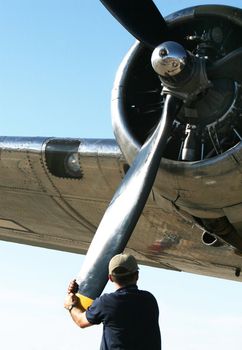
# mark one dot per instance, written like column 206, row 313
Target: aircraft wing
column 54, row 193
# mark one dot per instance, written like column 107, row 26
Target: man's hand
column 70, row 300
column 73, row 287
column 78, row 314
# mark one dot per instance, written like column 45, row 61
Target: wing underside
column 55, row 191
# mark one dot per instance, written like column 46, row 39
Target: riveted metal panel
column 36, row 209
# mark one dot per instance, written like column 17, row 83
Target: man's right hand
column 73, row 287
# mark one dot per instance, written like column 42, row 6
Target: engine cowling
column 201, row 169
column 213, row 150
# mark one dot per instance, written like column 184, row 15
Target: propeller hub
column 182, row 74
column 169, row 59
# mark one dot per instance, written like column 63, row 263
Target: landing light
column 72, row 165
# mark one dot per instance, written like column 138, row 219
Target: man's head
column 123, row 269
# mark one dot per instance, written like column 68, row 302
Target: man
column 129, row 315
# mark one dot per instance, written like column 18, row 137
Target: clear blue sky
column 57, row 64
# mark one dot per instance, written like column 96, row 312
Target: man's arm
column 71, row 303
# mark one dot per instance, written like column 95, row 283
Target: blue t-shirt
column 130, row 319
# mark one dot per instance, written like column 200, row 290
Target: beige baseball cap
column 127, row 262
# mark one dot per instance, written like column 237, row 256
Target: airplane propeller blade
column 227, row 67
column 124, row 209
column 141, row 18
